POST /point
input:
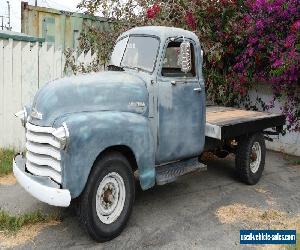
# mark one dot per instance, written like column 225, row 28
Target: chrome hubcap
column 110, row 198
column 255, row 157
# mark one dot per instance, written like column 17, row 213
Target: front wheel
column 106, row 203
column 250, row 158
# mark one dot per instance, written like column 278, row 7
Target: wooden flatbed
column 225, row 122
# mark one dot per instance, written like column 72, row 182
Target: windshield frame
column 140, row 35
column 122, row 54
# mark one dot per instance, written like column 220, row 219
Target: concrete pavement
column 181, row 215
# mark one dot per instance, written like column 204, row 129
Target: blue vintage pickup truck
column 89, row 137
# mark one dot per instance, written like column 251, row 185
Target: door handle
column 198, row 89
column 175, row 82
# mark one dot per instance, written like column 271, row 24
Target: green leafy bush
column 245, row 42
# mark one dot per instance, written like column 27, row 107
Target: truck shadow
column 219, row 172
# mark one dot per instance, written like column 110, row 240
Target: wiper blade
column 113, row 67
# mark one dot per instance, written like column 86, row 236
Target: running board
column 170, row 172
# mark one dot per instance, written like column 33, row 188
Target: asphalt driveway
column 200, row 210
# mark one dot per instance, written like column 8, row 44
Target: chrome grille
column 43, row 152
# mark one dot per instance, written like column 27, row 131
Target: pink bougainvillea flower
column 258, row 4
column 290, row 41
column 250, row 51
column 238, row 66
column 150, row 13
column 295, row 26
column 293, row 53
column 156, row 8
column 190, row 20
column 270, row 8
column 227, row 2
column 247, row 19
column 153, row 11
column 253, row 40
column 259, row 24
column 277, row 63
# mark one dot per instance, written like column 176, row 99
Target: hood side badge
column 137, row 106
column 36, row 115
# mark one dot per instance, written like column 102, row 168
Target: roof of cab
column 162, row 32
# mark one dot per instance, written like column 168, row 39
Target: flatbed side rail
column 244, row 127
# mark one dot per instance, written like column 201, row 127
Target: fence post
column 8, row 93
column 17, row 130
column 30, row 73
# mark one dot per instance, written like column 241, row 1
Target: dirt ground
column 202, row 210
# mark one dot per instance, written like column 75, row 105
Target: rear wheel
column 250, row 158
column 106, row 203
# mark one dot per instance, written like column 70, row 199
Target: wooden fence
column 24, row 68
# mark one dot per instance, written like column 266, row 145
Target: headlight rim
column 63, row 139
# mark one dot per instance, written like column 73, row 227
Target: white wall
column 290, row 143
column 24, row 68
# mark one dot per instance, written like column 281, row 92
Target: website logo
column 268, row 237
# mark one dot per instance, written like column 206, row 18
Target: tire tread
column 242, row 161
column 84, row 217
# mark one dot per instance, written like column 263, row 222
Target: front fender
column 92, row 132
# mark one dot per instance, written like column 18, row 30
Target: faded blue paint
column 97, row 110
column 93, row 132
column 181, row 113
column 92, row 92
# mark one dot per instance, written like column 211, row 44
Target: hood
column 104, row 91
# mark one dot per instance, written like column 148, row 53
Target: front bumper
column 41, row 188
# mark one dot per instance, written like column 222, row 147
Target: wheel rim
column 255, row 157
column 110, row 198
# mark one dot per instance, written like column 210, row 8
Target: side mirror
column 186, row 57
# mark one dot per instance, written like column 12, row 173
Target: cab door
column 181, row 106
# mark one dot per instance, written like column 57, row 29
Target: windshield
column 139, row 52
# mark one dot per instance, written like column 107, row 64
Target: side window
column 172, row 62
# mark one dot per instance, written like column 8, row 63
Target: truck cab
column 176, row 104
column 89, row 137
